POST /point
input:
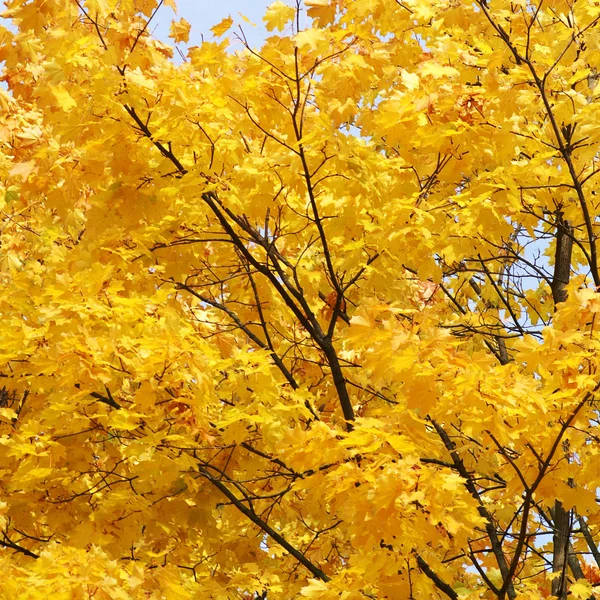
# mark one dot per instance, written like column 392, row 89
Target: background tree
column 311, row 321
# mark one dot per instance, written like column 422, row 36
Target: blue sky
column 203, row 14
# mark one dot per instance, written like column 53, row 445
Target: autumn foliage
column 312, row 320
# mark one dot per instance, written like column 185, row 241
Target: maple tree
column 314, row 320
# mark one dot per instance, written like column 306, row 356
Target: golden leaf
column 180, row 31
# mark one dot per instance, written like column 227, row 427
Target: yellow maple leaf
column 63, row 98
column 437, row 71
column 23, row 169
column 410, row 80
column 314, row 588
column 180, row 31
column 315, row 39
column 222, row 27
column 581, row 589
column 8, row 414
column 122, row 419
column 99, row 7
column 278, row 16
